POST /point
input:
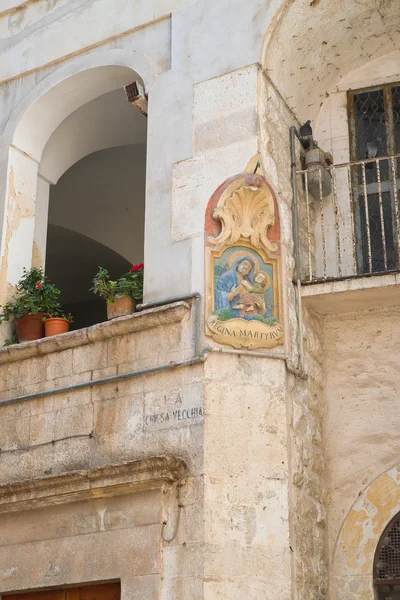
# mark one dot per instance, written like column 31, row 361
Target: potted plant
column 121, row 294
column 35, row 298
column 57, row 323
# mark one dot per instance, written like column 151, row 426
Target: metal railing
column 353, row 230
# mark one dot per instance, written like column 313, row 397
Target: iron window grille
column 387, row 562
column 374, row 120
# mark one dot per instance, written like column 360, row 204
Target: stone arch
column 37, row 116
column 132, row 61
column 353, row 557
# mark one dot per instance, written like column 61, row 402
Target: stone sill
column 99, row 482
column 140, row 321
column 351, row 295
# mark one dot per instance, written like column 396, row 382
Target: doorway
column 104, row 591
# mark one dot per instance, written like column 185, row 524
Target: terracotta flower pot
column 55, row 326
column 30, row 327
column 123, row 305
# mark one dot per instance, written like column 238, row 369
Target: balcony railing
column 349, row 222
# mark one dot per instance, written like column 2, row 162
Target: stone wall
column 304, row 397
column 68, row 431
column 246, row 468
column 361, row 441
column 308, row 511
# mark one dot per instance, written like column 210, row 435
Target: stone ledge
column 353, row 295
column 140, row 321
column 99, row 482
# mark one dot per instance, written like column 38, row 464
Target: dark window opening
column 387, row 562
column 374, row 122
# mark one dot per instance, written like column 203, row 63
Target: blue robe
column 226, row 283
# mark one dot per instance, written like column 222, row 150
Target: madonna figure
column 228, row 288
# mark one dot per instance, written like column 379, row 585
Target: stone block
column 174, row 407
column 183, row 561
column 191, row 524
column 69, row 380
column 141, row 588
column 122, row 349
column 183, row 587
column 62, row 342
column 225, row 109
column 251, row 588
column 73, row 420
column 104, row 373
column 14, row 433
column 58, row 364
column 119, row 420
column 32, row 370
column 9, row 376
column 222, row 163
column 14, row 411
column 88, row 358
column 52, row 560
column 136, row 510
column 222, row 561
column 188, row 200
column 51, row 522
column 42, row 428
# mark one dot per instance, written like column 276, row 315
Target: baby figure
column 254, row 301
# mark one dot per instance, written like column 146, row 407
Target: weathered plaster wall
column 361, row 441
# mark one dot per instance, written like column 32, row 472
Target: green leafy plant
column 224, row 314
column 34, row 294
column 129, row 284
column 267, row 320
column 11, row 340
column 68, row 317
column 60, row 315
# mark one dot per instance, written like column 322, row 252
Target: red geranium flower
column 39, row 285
column 137, row 267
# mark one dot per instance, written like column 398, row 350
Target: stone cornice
column 99, row 482
column 139, row 321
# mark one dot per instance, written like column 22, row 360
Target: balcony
column 349, row 234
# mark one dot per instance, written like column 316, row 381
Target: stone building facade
column 229, row 440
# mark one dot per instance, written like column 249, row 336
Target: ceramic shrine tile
column 243, row 307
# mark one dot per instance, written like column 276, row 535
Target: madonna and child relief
column 243, row 253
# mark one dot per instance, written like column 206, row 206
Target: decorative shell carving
column 246, row 215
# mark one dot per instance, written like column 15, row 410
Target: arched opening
column 96, row 208
column 77, row 165
column 387, row 562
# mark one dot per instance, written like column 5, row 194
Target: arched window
column 387, row 562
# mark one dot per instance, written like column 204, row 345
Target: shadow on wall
column 72, row 260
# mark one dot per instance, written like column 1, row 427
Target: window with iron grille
column 374, row 122
column 387, row 562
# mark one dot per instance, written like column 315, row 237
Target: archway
column 81, row 144
column 100, row 197
column 352, row 567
